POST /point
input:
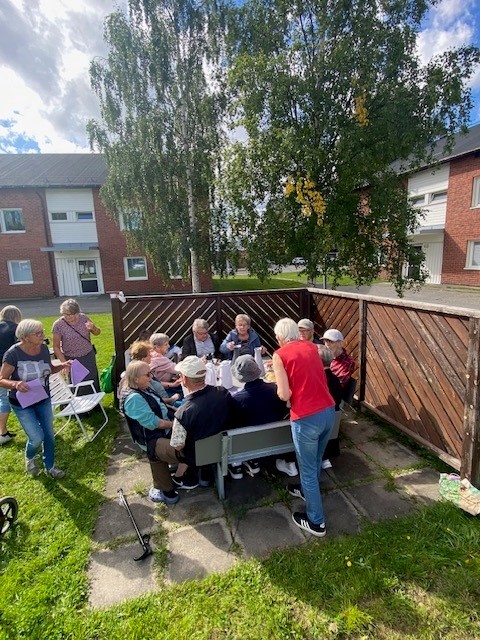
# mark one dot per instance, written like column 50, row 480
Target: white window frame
column 127, row 273
column 80, row 213
column 471, row 254
column 415, row 200
column 52, row 213
column 2, row 220
column 476, row 192
column 11, row 272
column 438, row 196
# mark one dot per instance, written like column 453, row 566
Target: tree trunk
column 194, row 273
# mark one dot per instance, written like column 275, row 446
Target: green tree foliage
column 331, row 93
column 161, row 105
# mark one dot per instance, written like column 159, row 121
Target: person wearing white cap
column 306, row 330
column 257, row 402
column 301, row 380
column 207, row 410
column 342, row 364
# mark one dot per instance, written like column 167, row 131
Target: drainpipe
column 48, row 239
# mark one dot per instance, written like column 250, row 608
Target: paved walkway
column 444, row 295
column 204, row 535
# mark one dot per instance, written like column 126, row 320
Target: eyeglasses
column 39, row 334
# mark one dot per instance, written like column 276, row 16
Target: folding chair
column 66, row 403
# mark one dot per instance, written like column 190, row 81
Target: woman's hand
column 231, row 345
column 92, row 328
column 21, row 386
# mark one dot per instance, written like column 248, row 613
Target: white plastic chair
column 66, row 403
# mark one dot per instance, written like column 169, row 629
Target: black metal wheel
column 8, row 513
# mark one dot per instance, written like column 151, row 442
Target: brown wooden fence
column 417, row 364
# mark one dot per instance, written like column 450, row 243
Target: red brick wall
column 26, row 246
column 462, row 222
column 113, row 249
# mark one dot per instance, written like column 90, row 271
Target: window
column 81, row 216
column 438, row 196
column 11, row 221
column 58, row 216
column 476, row 192
column 135, row 269
column 130, row 220
column 20, row 271
column 473, row 255
column 417, row 201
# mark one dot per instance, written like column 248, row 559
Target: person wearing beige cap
column 342, row 364
column 306, row 330
column 207, row 410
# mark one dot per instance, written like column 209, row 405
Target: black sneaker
column 187, row 481
column 295, row 490
column 302, row 521
column 251, row 467
column 235, row 471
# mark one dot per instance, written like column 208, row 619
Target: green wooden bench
column 247, row 443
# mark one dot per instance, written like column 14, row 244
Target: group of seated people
column 169, row 407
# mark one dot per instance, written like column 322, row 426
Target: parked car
column 298, row 262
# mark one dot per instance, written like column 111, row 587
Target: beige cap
column 192, row 367
column 333, row 335
column 305, row 323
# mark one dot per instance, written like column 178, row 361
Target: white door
column 67, row 275
column 78, row 274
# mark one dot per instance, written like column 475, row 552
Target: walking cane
column 143, row 539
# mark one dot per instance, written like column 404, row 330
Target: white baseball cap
column 305, row 323
column 333, row 335
column 192, row 367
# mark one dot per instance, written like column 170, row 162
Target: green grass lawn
column 416, row 577
column 286, row 280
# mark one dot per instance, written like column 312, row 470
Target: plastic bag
column 106, row 377
column 461, row 492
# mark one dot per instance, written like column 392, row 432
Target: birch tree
column 160, row 97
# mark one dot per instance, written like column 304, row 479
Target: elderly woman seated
column 146, row 416
column 243, row 337
column 201, row 342
column 141, row 351
column 162, row 368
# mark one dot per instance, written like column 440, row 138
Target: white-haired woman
column 162, row 368
column 23, row 364
column 71, row 340
column 301, row 380
column 201, row 342
column 243, row 337
column 10, row 316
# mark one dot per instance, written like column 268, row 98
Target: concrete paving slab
column 422, row 484
column 195, row 506
column 378, row 503
column 390, row 454
column 340, row 515
column 129, row 475
column 113, row 520
column 115, row 576
column 264, row 529
column 359, row 430
column 248, row 492
column 198, row 551
column 124, row 449
column 352, row 466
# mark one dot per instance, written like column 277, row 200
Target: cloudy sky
column 46, row 47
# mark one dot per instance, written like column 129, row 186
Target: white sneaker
column 6, row 437
column 326, row 464
column 290, row 468
column 155, row 495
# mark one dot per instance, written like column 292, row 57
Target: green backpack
column 107, row 383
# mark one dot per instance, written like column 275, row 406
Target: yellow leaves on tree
column 307, row 195
column 361, row 113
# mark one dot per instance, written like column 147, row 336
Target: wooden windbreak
column 417, row 364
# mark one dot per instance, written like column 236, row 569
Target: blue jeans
column 310, row 436
column 37, row 422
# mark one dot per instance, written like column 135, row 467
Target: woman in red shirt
column 301, row 380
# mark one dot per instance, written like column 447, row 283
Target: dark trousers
column 166, row 455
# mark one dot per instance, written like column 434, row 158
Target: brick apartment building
column 56, row 238
column 449, row 195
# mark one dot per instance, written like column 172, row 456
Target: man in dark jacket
column 201, row 342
